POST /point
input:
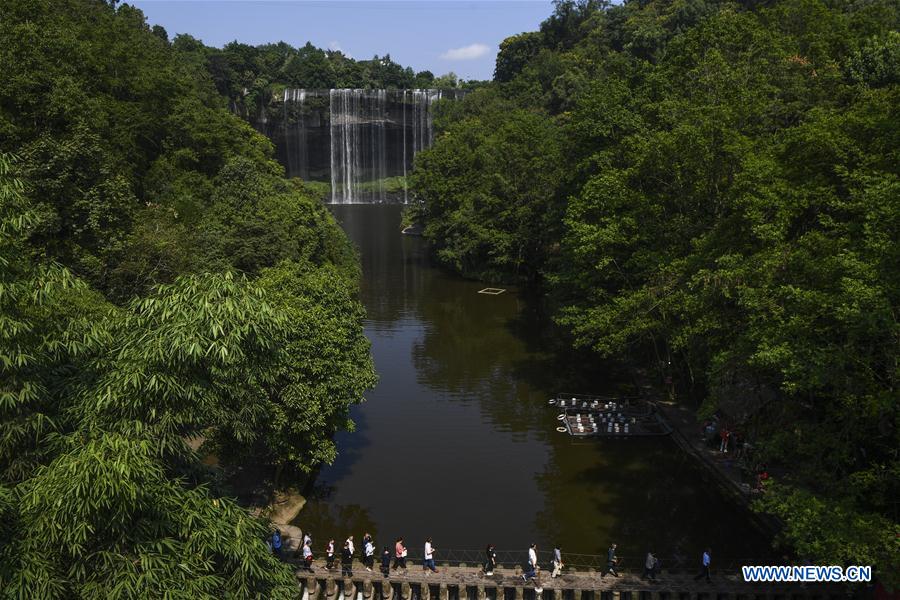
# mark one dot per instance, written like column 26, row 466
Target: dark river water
column 456, row 441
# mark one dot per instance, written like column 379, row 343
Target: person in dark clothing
column 386, row 561
column 346, row 561
column 276, row 542
column 650, row 565
column 612, row 560
column 704, row 569
column 557, row 562
column 490, row 562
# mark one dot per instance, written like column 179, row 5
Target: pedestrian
column 276, row 542
column 531, row 567
column 490, row 562
column 557, row 562
column 347, row 560
column 329, row 555
column 650, row 564
column 400, row 555
column 429, row 557
column 386, row 561
column 350, row 545
column 368, row 552
column 305, row 540
column 611, row 560
column 704, row 570
column 308, row 555
column 724, row 434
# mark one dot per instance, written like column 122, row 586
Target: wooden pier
column 468, row 582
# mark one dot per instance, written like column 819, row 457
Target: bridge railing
column 580, row 562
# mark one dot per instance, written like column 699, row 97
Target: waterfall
column 405, row 185
column 360, row 140
column 358, row 131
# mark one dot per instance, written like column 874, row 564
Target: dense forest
column 160, row 283
column 709, row 187
column 254, row 78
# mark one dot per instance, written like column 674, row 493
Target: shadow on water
column 351, row 445
column 457, row 441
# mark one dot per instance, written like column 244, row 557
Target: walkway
column 467, row 581
column 688, row 435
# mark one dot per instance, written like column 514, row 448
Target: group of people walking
column 395, row 559
column 348, row 553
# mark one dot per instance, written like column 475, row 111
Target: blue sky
column 439, row 35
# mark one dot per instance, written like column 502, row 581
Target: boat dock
column 585, row 415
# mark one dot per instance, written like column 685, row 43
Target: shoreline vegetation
column 393, row 186
column 710, row 189
column 165, row 295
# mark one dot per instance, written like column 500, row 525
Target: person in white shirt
column 531, row 568
column 429, row 557
column 350, row 545
column 329, row 555
column 307, row 556
column 369, row 550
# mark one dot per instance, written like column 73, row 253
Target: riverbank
column 723, row 467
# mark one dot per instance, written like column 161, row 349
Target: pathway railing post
column 368, row 589
column 331, row 589
column 312, row 588
column 405, row 591
column 349, row 589
column 443, row 593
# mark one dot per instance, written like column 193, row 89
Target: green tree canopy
column 713, row 184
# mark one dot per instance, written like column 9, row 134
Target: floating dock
column 592, row 415
column 579, row 423
column 630, row 406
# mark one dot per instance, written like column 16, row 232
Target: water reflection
column 457, row 443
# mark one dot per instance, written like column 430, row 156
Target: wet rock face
column 291, row 536
column 286, row 506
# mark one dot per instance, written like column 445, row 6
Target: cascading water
column 372, row 138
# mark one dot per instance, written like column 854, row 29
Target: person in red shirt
column 400, row 555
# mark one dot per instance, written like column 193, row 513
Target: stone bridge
column 463, row 581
